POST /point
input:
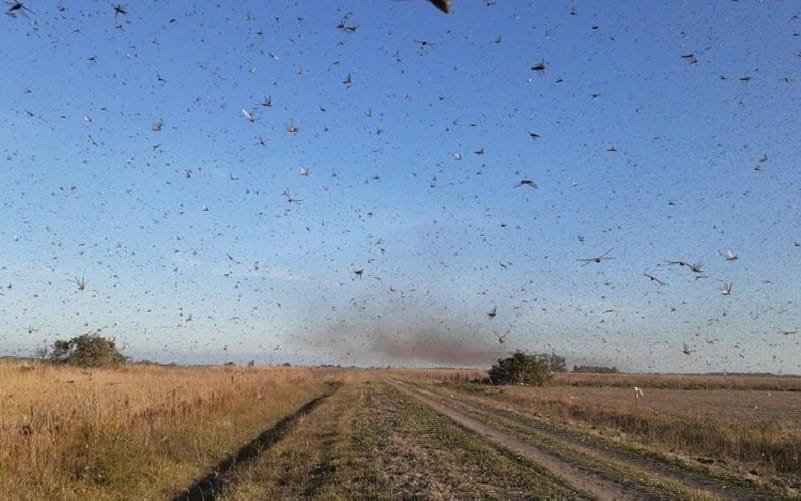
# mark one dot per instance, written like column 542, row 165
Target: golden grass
column 134, row 432
column 436, row 375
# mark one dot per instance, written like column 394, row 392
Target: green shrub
column 521, row 368
column 87, row 350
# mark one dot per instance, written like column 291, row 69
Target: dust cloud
column 433, row 345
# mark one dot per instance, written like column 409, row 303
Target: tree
column 87, row 350
column 521, row 368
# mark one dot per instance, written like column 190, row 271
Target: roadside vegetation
column 134, row 432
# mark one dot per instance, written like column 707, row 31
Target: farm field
column 274, row 250
column 287, row 433
column 135, row 432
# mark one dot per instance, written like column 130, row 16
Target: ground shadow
column 212, row 484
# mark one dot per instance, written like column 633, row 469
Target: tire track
column 711, row 486
column 211, row 485
column 585, row 480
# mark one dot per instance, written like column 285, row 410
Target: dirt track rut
column 212, row 484
column 593, row 480
column 582, row 480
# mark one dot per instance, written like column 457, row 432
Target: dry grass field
column 143, row 432
column 683, row 381
column 289, row 433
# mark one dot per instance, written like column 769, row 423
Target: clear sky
column 157, row 153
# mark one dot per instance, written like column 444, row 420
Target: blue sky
column 128, row 160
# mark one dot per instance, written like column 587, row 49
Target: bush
column 87, row 350
column 521, row 368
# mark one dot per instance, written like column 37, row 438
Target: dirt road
column 384, row 438
column 596, row 469
column 591, row 483
column 370, row 440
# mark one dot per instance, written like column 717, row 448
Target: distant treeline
column 752, row 374
column 595, row 369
